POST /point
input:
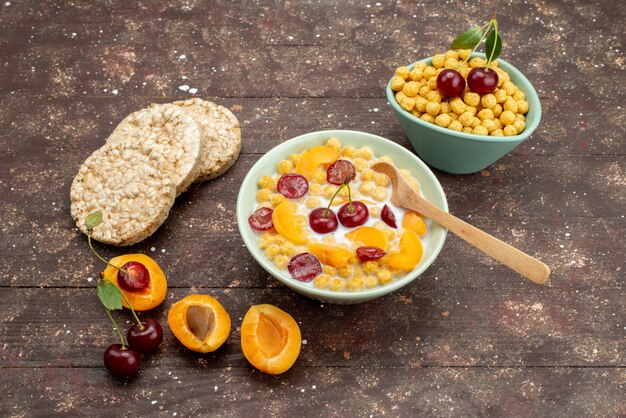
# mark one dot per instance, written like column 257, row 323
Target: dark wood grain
column 468, row 338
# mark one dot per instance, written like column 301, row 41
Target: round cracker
column 127, row 182
column 170, row 131
column 221, row 136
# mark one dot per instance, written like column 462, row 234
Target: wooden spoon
column 405, row 197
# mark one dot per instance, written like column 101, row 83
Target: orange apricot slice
column 412, row 221
column 330, row 254
column 370, row 237
column 312, row 158
column 270, row 339
column 199, row 322
column 144, row 299
column 410, row 253
column 285, row 223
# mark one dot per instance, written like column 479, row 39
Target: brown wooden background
column 469, row 338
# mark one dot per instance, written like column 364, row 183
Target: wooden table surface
column 468, row 338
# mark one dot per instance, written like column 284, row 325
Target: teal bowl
column 402, row 157
column 459, row 152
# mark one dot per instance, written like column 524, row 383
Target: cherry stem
column 130, row 305
column 349, row 198
column 495, row 29
column 485, row 32
column 333, row 198
column 116, row 328
column 98, row 255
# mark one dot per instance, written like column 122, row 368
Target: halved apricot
column 312, row 158
column 199, row 322
column 410, row 252
column 270, row 339
column 330, row 254
column 285, row 223
column 144, row 299
column 414, row 222
column 370, row 237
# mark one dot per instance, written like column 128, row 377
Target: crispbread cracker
column 170, row 131
column 221, row 137
column 127, row 181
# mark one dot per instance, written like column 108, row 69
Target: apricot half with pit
column 370, row 237
column 147, row 297
column 330, row 254
column 315, row 157
column 285, row 223
column 410, row 253
column 270, row 339
column 199, row 322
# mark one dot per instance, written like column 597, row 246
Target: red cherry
column 340, row 172
column 123, row 362
column 353, row 216
column 134, row 278
column 369, row 253
column 322, row 222
column 304, row 267
column 388, row 217
column 482, row 80
column 147, row 339
column 292, row 186
column 450, row 83
column 261, row 219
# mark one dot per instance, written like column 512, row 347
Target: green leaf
column 493, row 46
column 468, row 39
column 93, row 220
column 109, row 295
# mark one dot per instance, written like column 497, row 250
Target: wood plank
column 413, row 327
column 330, row 392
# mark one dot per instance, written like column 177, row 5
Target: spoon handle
column 515, row 259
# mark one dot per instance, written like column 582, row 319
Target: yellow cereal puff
column 365, row 152
column 451, row 63
column 385, row 159
column 443, row 120
column 507, row 117
column 427, row 118
column 477, row 62
column 411, row 89
column 475, row 122
column 420, row 104
column 494, row 64
column 471, row 99
column 424, row 90
column 511, row 105
column 318, row 176
column 384, row 276
column 265, row 240
column 458, row 106
column 466, row 118
column 366, row 188
column 374, row 211
column 355, row 284
column 500, row 95
column 464, row 53
column 313, row 202
column 330, row 270
column 370, row 282
column 467, row 129
column 285, row 166
column 346, row 191
column 416, row 74
column 488, row 101
column 438, row 60
column 486, row 114
column 390, row 234
column 277, row 199
column 421, row 65
column 333, row 143
column 432, row 83
column 429, row 72
column 263, row 195
column 433, row 96
column 315, row 189
column 272, row 251
column 348, row 151
column 465, row 71
column 397, row 83
column 289, row 249
column 381, row 179
column 367, row 174
column 370, row 267
column 433, row 108
column 322, row 281
column 509, row 130
column 445, row 107
column 329, row 191
column 360, row 164
column 301, row 220
column 267, row 182
column 490, row 125
column 408, row 104
column 480, row 130
column 281, row 261
column 497, row 110
column 329, row 239
column 455, row 125
column 345, row 271
column 497, row 132
column 380, row 193
column 519, row 125
column 522, row 106
column 416, row 113
column 337, row 285
column 403, row 72
column 509, row 88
